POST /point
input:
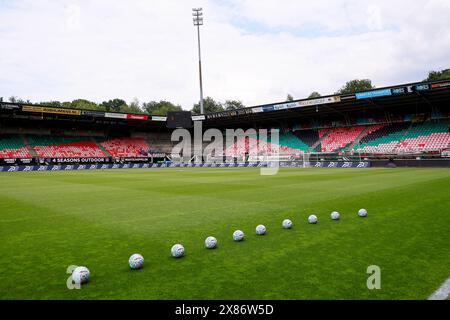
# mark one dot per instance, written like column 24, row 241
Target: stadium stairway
column 293, row 142
column 12, row 146
column 356, row 141
column 405, row 133
column 316, row 145
column 368, row 130
column 101, row 147
column 30, row 148
column 382, row 140
column 288, row 142
column 425, row 136
column 309, row 137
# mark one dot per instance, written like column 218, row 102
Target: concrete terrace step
column 30, row 148
column 101, row 147
column 357, row 140
column 315, row 145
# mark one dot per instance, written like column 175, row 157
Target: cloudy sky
column 253, row 50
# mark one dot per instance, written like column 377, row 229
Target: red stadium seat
column 126, row 147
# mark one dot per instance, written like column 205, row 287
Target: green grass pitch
column 50, row 220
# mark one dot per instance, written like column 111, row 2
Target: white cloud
column 254, row 50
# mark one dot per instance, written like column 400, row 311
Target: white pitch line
column 442, row 293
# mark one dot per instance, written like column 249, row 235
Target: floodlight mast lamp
column 198, row 21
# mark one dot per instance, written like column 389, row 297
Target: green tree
column 356, row 85
column 209, row 105
column 84, row 104
column 289, row 97
column 14, row 99
column 130, row 109
column 115, row 105
column 160, row 108
column 133, row 107
column 56, row 104
column 314, row 94
column 438, row 75
column 66, row 104
column 233, row 104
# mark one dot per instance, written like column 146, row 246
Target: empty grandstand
column 414, row 125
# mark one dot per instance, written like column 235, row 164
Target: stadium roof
column 435, row 94
column 432, row 94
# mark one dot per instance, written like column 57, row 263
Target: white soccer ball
column 335, row 215
column 177, row 251
column 260, row 230
column 136, row 261
column 81, row 275
column 287, row 224
column 238, row 235
column 312, row 219
column 362, row 213
column 210, row 243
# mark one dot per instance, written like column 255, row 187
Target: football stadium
column 336, row 196
column 89, row 188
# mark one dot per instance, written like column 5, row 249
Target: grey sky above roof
column 256, row 50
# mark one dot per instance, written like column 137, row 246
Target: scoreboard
column 179, row 119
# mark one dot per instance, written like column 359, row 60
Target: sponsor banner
column 299, row 104
column 77, row 160
column 319, row 101
column 89, row 113
column 141, row 117
column 268, row 109
column 373, row 94
column 350, row 97
column 440, row 85
column 230, row 113
column 291, row 164
column 12, row 161
column 140, row 159
column 288, row 105
column 74, row 112
column 157, row 118
column 68, row 167
column 402, row 90
column 220, row 115
column 156, row 154
column 340, row 164
column 243, row 111
column 9, row 161
column 422, row 87
column 24, row 160
column 9, row 106
column 306, row 103
column 198, row 118
column 115, row 115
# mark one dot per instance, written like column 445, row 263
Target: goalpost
column 297, row 160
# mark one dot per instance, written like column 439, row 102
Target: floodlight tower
column 198, row 21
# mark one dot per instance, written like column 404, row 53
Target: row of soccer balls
column 81, row 274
